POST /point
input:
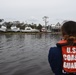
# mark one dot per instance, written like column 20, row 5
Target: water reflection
column 25, row 54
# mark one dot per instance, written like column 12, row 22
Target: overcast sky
column 33, row 10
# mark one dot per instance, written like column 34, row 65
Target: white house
column 15, row 29
column 44, row 29
column 29, row 29
column 3, row 28
column 56, row 27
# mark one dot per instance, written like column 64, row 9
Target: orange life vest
column 69, row 57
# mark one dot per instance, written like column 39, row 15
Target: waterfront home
column 29, row 29
column 56, row 27
column 44, row 29
column 15, row 29
column 3, row 28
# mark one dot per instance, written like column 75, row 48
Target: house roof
column 56, row 26
column 28, row 28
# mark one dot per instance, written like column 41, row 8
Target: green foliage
column 22, row 27
column 1, row 20
column 32, row 25
column 8, row 25
column 0, row 26
column 39, row 27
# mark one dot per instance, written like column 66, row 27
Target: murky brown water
column 26, row 54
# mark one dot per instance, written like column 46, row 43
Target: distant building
column 29, row 29
column 3, row 28
column 44, row 29
column 56, row 28
column 15, row 29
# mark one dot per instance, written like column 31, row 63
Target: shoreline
column 30, row 32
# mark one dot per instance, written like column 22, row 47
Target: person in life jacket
column 62, row 58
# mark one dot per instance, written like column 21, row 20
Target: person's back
column 63, row 61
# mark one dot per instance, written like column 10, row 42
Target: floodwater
column 26, row 54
